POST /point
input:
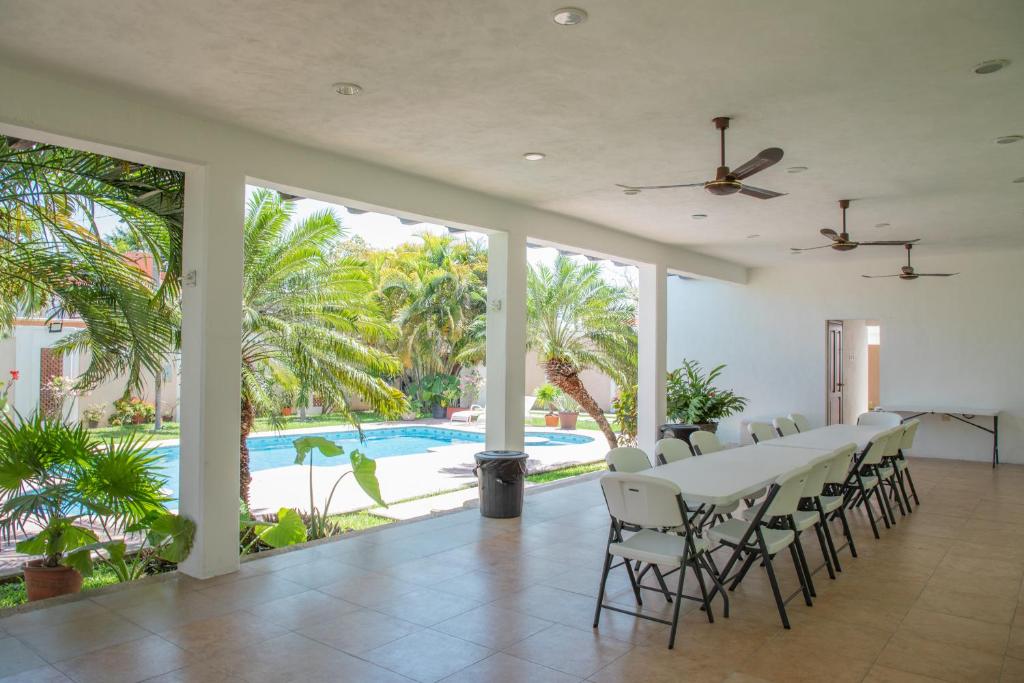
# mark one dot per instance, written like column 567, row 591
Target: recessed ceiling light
column 882, row 225
column 794, row 252
column 753, row 237
column 1019, row 180
column 534, row 156
column 796, row 169
column 631, row 192
column 991, row 66
column 699, row 216
column 347, row 88
column 1009, row 139
column 569, row 16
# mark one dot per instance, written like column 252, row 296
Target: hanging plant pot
column 550, row 420
column 568, row 420
column 49, row 582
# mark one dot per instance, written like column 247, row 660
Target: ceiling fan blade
column 830, row 233
column 657, row 187
column 759, row 193
column 936, row 274
column 889, row 243
column 764, row 159
column 874, row 276
column 824, row 246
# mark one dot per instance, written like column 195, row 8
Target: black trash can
column 678, row 430
column 502, row 478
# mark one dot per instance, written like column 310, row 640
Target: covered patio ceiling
column 877, row 99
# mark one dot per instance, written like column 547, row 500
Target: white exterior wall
column 946, row 340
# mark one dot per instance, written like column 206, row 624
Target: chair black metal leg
column 703, row 591
column 847, row 532
column 895, row 492
column 632, row 581
column 883, row 505
column 798, row 565
column 867, row 508
column 770, row 570
column 827, row 530
column 804, row 566
column 675, row 608
column 743, row 570
column 713, row 570
column 913, row 491
column 826, row 550
column 600, row 591
column 903, row 490
column 661, row 582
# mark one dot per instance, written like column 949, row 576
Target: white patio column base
column 211, row 361
column 653, row 352
column 506, row 341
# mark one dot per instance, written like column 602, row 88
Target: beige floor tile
column 45, row 674
column 952, row 599
column 785, row 660
column 572, row 651
column 945, row 628
column 16, row 657
column 320, row 572
column 128, row 662
column 504, row 668
column 197, row 673
column 50, row 616
column 551, row 604
column 370, row 590
column 940, row 660
column 658, row 664
column 427, row 656
column 359, row 631
column 492, row 627
column 302, row 609
column 481, row 585
column 1013, row 670
column 254, row 590
column 207, row 637
column 426, row 606
column 1015, row 645
column 166, row 611
column 73, row 638
column 883, row 674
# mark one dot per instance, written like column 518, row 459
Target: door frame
column 830, row 364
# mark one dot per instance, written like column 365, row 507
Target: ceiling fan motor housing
column 723, row 187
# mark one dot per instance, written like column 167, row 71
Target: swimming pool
column 268, row 452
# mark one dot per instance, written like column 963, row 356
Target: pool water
column 268, row 452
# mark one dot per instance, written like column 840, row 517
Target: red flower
column 15, row 374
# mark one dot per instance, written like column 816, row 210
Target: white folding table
column 726, row 476
column 829, row 438
column 965, row 415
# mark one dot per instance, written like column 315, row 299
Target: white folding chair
column 653, row 505
column 757, row 540
column 627, row 459
column 879, row 418
column 671, row 450
column 785, row 426
column 863, row 480
column 903, row 465
column 703, row 443
column 801, row 422
column 831, row 501
column 761, row 431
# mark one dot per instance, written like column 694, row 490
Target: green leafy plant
column 166, row 537
column 93, row 414
column 67, row 483
column 435, row 390
column 132, row 411
column 546, row 395
column 564, row 403
column 693, row 397
column 624, row 405
column 5, row 390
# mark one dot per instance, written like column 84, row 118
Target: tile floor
column 461, row 598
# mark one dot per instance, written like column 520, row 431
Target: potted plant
column 546, row 395
column 694, row 399
column 435, row 393
column 568, row 410
column 92, row 415
column 67, row 483
column 5, row 390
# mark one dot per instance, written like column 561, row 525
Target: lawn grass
column 359, row 520
column 583, row 422
column 565, row 472
column 12, row 593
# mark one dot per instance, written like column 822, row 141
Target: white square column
column 506, row 341
column 652, row 319
column 211, row 360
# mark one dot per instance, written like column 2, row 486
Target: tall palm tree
column 54, row 261
column 578, row 321
column 307, row 319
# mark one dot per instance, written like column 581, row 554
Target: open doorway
column 852, row 369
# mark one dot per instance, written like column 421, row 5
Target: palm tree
column 307, row 319
column 53, row 259
column 578, row 321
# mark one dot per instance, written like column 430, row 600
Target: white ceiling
column 876, row 97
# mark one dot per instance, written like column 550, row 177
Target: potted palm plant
column 546, row 395
column 568, row 410
column 67, row 483
column 694, row 399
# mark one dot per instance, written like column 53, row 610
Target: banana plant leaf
column 288, row 530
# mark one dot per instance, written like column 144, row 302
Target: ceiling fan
column 907, row 272
column 841, row 240
column 727, row 181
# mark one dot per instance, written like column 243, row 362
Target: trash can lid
column 501, row 455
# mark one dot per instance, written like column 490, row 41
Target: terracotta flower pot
column 568, row 420
column 550, row 420
column 286, row 412
column 49, row 582
column 451, row 410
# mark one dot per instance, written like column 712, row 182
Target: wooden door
column 834, row 373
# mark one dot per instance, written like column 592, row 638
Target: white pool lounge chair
column 470, row 415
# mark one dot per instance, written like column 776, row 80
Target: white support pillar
column 652, row 318
column 211, row 358
column 506, row 341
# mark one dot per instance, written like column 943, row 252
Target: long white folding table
column 965, row 415
column 727, row 476
column 828, row 438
